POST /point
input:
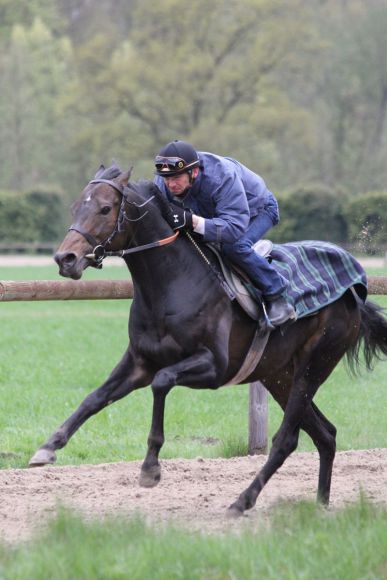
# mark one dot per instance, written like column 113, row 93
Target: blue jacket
column 228, row 195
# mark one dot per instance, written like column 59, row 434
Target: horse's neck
column 175, row 267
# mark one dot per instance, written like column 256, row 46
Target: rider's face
column 177, row 184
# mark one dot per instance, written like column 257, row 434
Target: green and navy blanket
column 318, row 273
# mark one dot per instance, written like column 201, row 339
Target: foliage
column 24, row 12
column 34, row 131
column 356, row 94
column 311, row 212
column 34, row 216
column 302, row 541
column 367, row 221
column 297, row 92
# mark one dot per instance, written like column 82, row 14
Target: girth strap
column 253, row 357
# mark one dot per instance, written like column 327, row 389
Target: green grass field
column 301, row 542
column 54, row 353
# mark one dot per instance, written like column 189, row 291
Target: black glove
column 179, row 218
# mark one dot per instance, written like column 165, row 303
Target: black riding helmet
column 175, row 158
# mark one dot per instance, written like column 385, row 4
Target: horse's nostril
column 65, row 258
column 69, row 258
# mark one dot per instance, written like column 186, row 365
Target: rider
column 227, row 204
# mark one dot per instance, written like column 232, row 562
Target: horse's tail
column 372, row 338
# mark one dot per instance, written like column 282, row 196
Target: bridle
column 99, row 252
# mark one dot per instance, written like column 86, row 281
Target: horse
column 185, row 330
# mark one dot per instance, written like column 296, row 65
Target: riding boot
column 279, row 310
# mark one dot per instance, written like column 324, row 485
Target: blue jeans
column 241, row 253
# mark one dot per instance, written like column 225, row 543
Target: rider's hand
column 176, row 216
column 179, row 218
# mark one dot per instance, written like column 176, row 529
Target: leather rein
column 99, row 252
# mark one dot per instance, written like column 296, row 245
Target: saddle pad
column 237, row 287
column 318, row 273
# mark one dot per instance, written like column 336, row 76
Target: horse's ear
column 124, row 177
column 100, row 171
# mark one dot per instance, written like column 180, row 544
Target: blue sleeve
column 232, row 214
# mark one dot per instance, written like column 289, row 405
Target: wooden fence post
column 258, row 418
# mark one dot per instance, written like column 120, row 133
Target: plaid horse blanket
column 318, row 273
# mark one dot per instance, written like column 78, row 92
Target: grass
column 54, row 353
column 302, row 541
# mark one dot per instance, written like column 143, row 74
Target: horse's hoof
column 42, row 457
column 150, row 477
column 234, row 512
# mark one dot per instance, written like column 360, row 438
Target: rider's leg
column 261, row 272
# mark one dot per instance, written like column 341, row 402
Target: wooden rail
column 33, row 290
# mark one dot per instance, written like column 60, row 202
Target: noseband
column 99, row 251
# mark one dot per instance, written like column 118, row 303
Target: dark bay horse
column 184, row 330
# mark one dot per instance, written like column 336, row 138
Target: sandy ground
column 192, row 493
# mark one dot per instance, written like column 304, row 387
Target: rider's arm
column 231, row 215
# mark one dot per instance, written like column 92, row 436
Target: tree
column 24, row 12
column 210, row 83
column 353, row 97
column 33, row 132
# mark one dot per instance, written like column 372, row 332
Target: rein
column 99, row 252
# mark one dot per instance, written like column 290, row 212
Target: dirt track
column 194, row 493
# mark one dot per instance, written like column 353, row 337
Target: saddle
column 241, row 286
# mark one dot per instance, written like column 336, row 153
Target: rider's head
column 176, row 159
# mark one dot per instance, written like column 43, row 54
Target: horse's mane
column 145, row 188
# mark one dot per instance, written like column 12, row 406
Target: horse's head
column 112, row 215
column 95, row 217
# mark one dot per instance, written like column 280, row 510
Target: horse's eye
column 105, row 210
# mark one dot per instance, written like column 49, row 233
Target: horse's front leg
column 150, row 471
column 128, row 375
column 195, row 371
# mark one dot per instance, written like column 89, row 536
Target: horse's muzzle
column 69, row 265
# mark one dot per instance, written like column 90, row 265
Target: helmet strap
column 191, row 178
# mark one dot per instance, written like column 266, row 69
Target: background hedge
column 33, row 216
column 310, row 212
column 366, row 216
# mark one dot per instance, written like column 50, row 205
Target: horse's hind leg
column 284, row 444
column 310, row 372
column 300, row 413
column 323, row 434
column 313, row 365
column 127, row 376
